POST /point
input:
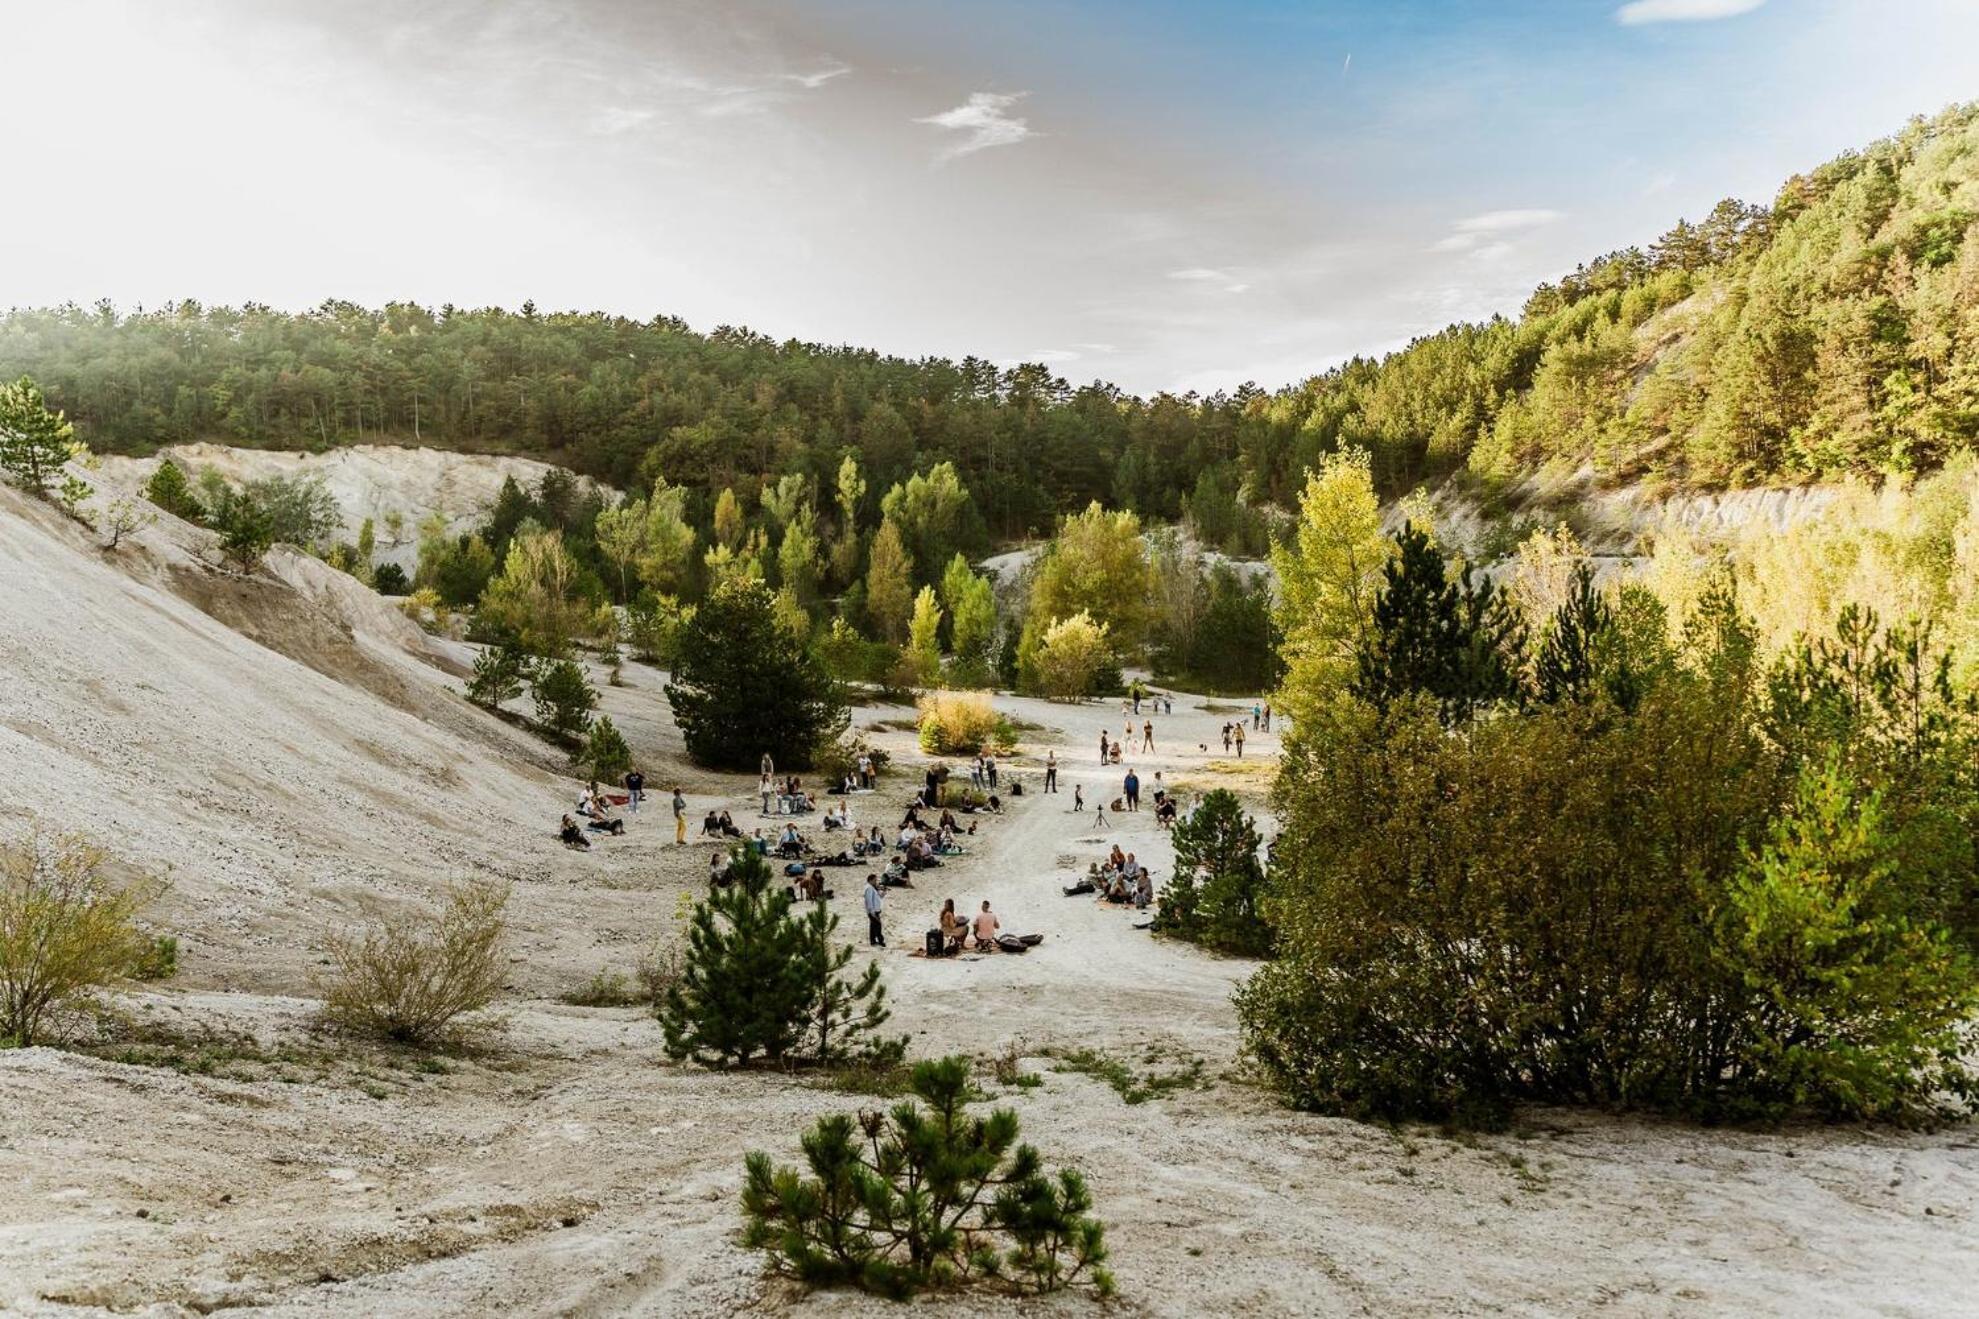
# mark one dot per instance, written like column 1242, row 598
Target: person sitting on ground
column 948, row 820
column 1143, row 890
column 728, row 826
column 831, row 818
column 812, row 886
column 953, row 931
column 718, row 866
column 572, row 836
column 911, row 820
column 1116, row 859
column 711, row 827
column 1164, row 814
column 1117, row 890
column 791, row 844
column 760, row 843
column 986, row 926
column 995, row 805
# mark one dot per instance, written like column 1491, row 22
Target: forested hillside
column 1836, row 330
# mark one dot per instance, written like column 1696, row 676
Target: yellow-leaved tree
column 1328, row 578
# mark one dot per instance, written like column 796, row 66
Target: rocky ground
column 296, row 756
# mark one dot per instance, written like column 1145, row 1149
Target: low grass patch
column 1161, row 1072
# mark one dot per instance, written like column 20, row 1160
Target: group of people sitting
column 957, row 934
column 784, row 797
column 922, row 844
column 594, row 813
column 1120, row 879
column 719, row 824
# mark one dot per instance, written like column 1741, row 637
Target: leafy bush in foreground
column 925, row 1197
column 410, row 978
column 63, row 932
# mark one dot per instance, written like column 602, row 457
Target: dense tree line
column 1835, row 330
column 1547, row 841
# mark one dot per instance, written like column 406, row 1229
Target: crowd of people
column 930, row 830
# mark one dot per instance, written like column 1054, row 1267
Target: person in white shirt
column 875, row 904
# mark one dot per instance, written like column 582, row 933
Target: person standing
column 1147, row 736
column 1226, row 739
column 1132, row 785
column 1078, row 796
column 875, row 904
column 635, row 790
column 679, row 817
column 1102, row 746
column 1051, row 771
column 1257, row 712
column 865, row 770
column 989, row 771
column 767, row 790
column 1240, row 741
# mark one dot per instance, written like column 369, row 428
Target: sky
column 1158, row 194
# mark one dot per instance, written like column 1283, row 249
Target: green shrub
column 564, row 698
column 64, row 932
column 606, row 758
column 961, row 723
column 500, row 673
column 1214, row 896
column 742, row 688
column 170, row 490
column 411, row 977
column 160, row 960
column 1741, row 894
column 389, row 579
column 924, row 1196
column 759, row 982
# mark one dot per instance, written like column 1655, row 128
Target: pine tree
column 843, row 1016
column 564, row 698
column 246, row 530
column 1455, row 641
column 34, row 442
column 606, row 756
column 925, row 1195
column 742, row 688
column 760, row 982
column 1213, row 897
column 169, row 489
column 499, row 675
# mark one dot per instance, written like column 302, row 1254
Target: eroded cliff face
column 367, row 481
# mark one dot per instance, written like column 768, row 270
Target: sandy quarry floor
column 280, row 744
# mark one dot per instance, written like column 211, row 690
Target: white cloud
column 614, row 119
column 810, row 82
column 1467, row 234
column 1208, row 275
column 984, row 120
column 1638, row 12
